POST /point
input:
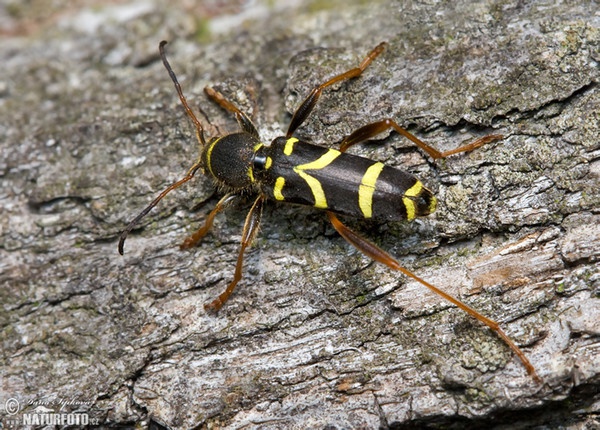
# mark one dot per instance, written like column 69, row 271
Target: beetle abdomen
column 298, row 172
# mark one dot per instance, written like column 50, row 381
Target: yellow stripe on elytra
column 321, row 162
column 315, row 188
column 432, row 204
column 250, row 174
column 268, row 162
column 367, row 188
column 209, row 154
column 279, row 183
column 289, row 146
column 409, row 204
column 313, row 183
column 415, row 190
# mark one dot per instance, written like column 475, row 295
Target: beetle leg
column 249, row 233
column 309, row 103
column 243, row 120
column 373, row 251
column 370, row 130
column 195, row 238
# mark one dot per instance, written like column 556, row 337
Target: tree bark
column 316, row 335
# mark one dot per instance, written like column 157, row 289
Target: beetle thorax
column 229, row 160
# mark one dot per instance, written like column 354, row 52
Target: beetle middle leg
column 195, row 238
column 251, row 226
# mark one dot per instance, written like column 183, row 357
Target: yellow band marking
column 367, row 188
column 409, row 204
column 432, row 204
column 410, row 207
column 250, row 174
column 289, row 146
column 316, row 188
column 313, row 183
column 279, row 183
column 321, row 162
column 257, row 147
column 415, row 190
column 268, row 162
column 209, row 154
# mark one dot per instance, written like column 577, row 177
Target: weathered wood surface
column 316, row 335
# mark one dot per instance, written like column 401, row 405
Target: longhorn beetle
column 293, row 171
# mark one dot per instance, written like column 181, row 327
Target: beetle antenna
column 142, row 214
column 190, row 113
column 190, row 174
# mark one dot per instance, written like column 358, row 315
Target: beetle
column 293, row 171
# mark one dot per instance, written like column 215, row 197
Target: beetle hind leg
column 373, row 251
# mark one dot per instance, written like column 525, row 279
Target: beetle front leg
column 243, row 120
column 309, row 103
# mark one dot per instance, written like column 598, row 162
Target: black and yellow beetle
column 290, row 170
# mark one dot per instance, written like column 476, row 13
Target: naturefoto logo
column 12, row 407
column 43, row 415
